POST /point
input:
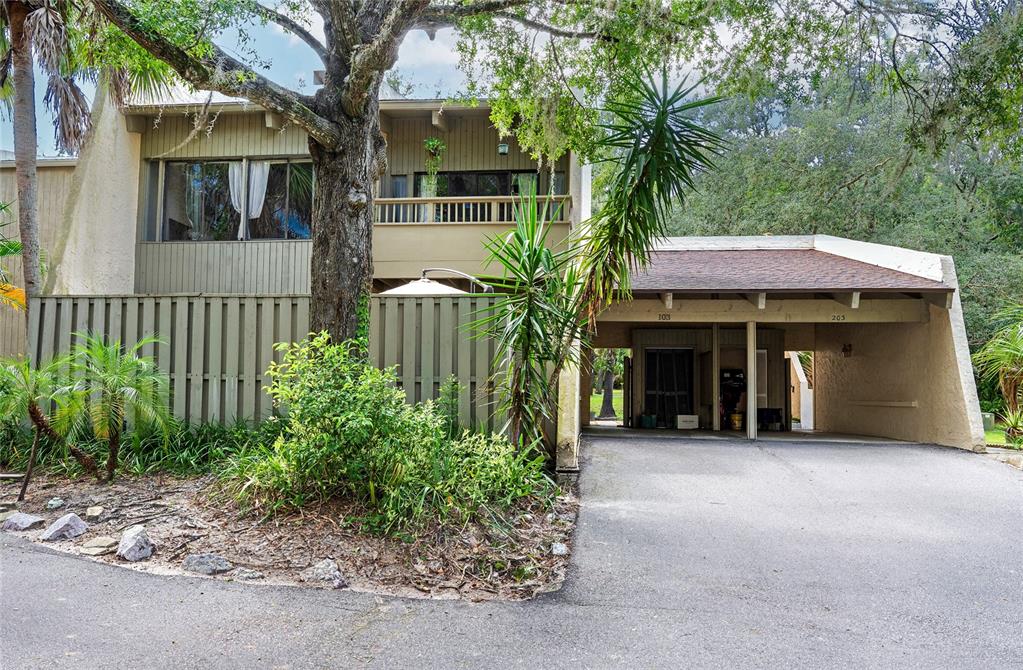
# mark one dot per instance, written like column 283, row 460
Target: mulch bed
column 473, row 561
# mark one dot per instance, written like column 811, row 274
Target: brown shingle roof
column 778, row 270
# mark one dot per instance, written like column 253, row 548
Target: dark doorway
column 669, row 385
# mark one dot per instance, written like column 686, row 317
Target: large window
column 197, row 202
column 288, row 203
column 207, row 201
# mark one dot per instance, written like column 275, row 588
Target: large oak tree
column 545, row 65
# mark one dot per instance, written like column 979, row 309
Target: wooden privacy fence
column 216, row 348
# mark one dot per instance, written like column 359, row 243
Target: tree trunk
column 342, row 228
column 114, row 443
column 607, row 408
column 25, row 147
column 35, row 413
column 31, row 465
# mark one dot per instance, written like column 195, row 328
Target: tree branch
column 370, row 60
column 222, row 73
column 554, row 31
column 293, row 27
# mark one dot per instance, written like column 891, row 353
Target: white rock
column 559, row 549
column 247, row 574
column 22, row 521
column 324, row 571
column 206, row 564
column 55, row 503
column 97, row 546
column 135, row 544
column 64, row 528
column 93, row 513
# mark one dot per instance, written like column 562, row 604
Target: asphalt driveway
column 688, row 554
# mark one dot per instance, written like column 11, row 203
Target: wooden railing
column 493, row 209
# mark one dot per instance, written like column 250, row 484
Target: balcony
column 471, row 210
column 409, row 234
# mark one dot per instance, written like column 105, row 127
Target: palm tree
column 69, row 42
column 26, row 390
column 1001, row 357
column 113, row 385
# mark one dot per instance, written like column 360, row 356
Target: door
column 668, row 388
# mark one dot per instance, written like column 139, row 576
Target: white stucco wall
column 901, row 381
column 95, row 249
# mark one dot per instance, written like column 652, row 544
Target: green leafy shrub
column 349, row 432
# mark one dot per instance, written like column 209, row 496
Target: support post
column 751, row 380
column 715, row 376
column 568, row 418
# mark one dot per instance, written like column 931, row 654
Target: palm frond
column 657, row 151
column 72, row 117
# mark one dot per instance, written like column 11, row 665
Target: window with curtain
column 198, row 201
column 287, row 206
column 204, row 201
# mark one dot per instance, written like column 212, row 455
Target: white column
column 715, row 376
column 568, row 427
column 751, row 380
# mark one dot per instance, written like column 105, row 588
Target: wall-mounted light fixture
column 502, row 149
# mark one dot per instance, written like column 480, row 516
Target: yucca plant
column 1012, row 422
column 114, row 384
column 529, row 322
column 28, row 392
column 1001, row 357
column 654, row 149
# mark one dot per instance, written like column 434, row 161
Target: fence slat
column 266, row 353
column 464, row 368
column 426, row 337
column 408, row 350
column 215, row 364
column 197, row 362
column 250, row 387
column 180, row 361
column 481, row 399
column 448, row 336
column 231, row 346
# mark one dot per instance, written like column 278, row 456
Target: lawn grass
column 995, row 436
column 598, row 399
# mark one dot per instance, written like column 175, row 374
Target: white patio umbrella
column 426, row 286
column 423, row 286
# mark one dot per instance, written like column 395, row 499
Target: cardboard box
column 688, row 421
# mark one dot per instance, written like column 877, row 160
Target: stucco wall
column 94, row 249
column 900, row 381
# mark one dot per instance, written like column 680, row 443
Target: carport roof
column 776, row 270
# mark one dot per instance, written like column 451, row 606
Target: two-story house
column 191, row 217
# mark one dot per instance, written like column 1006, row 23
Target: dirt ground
column 475, row 561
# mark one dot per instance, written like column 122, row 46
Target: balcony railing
column 493, row 209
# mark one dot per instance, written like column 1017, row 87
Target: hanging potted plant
column 435, row 148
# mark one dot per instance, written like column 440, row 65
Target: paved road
column 688, row 554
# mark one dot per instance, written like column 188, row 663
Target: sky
column 431, row 65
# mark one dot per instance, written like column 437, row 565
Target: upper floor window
column 236, row 200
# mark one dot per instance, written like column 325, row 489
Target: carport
column 710, row 321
